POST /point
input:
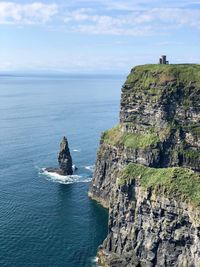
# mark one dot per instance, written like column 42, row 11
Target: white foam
column 74, row 168
column 76, row 150
column 64, row 179
column 90, row 168
column 94, row 262
column 95, row 259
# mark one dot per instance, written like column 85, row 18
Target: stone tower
column 163, row 60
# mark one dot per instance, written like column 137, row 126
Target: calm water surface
column 49, row 220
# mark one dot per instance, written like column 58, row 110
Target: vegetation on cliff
column 164, row 82
column 176, row 182
column 116, row 136
column 181, row 73
column 194, row 129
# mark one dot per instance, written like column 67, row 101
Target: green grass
column 115, row 137
column 176, row 182
column 183, row 82
column 155, row 73
column 191, row 154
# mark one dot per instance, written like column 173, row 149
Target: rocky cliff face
column 154, row 212
column 151, row 226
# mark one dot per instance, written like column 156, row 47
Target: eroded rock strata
column 147, row 171
column 64, row 157
column 64, row 160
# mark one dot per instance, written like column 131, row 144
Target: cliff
column 147, row 170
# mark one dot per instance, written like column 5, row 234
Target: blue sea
column 48, row 220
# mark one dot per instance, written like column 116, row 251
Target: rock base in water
column 55, row 170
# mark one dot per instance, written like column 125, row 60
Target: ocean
column 48, row 220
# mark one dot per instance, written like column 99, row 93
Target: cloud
column 131, row 5
column 34, row 13
column 90, row 22
column 130, row 17
column 134, row 23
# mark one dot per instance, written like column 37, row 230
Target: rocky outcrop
column 149, row 224
column 64, row 160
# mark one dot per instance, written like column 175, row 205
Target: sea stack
column 64, row 158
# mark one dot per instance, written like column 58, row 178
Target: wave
column 64, row 179
column 90, row 168
column 76, row 150
column 94, row 261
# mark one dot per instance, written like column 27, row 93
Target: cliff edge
column 147, row 170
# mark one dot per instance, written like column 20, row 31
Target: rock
column 144, row 226
column 74, row 168
column 64, row 158
column 159, row 128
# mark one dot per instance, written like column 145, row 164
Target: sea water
column 48, row 220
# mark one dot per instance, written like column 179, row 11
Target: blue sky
column 96, row 36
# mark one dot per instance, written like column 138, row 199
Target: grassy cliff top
column 156, row 73
column 177, row 182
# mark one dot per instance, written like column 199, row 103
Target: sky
column 96, row 36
